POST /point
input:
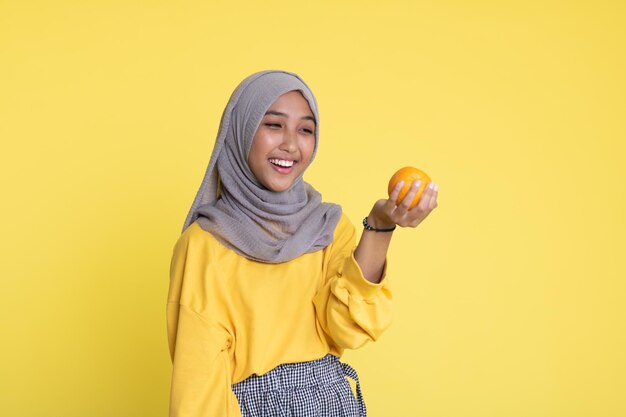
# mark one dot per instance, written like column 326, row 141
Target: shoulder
column 195, row 240
column 344, row 227
column 343, row 236
column 195, row 234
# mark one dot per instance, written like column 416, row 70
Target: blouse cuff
column 356, row 281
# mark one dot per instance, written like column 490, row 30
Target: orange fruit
column 408, row 175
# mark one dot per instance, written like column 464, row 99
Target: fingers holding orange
column 412, row 196
column 407, row 175
column 429, row 198
column 427, row 203
column 394, row 195
column 407, row 203
column 433, row 201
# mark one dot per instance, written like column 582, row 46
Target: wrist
column 371, row 223
column 378, row 223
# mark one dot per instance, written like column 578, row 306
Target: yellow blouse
column 229, row 317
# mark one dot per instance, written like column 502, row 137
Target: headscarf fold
column 260, row 224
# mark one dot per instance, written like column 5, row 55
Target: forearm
column 371, row 252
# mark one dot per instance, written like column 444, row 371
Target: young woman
column 267, row 284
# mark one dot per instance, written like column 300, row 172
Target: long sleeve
column 350, row 309
column 201, row 375
column 199, row 348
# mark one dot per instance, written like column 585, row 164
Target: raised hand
column 386, row 213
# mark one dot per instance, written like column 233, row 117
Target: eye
column 272, row 125
column 308, row 131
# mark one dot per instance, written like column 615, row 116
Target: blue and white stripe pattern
column 316, row 388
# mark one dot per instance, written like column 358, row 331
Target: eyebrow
column 277, row 113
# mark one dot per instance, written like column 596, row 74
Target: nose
column 289, row 143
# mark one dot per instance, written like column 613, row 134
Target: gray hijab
column 231, row 204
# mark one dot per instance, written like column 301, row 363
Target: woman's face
column 283, row 143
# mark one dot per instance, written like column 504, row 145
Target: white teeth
column 282, row 163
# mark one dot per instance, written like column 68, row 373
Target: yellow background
column 509, row 298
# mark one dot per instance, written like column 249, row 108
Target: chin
column 278, row 188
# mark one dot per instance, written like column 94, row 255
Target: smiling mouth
column 282, row 163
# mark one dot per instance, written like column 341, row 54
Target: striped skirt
column 316, row 388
